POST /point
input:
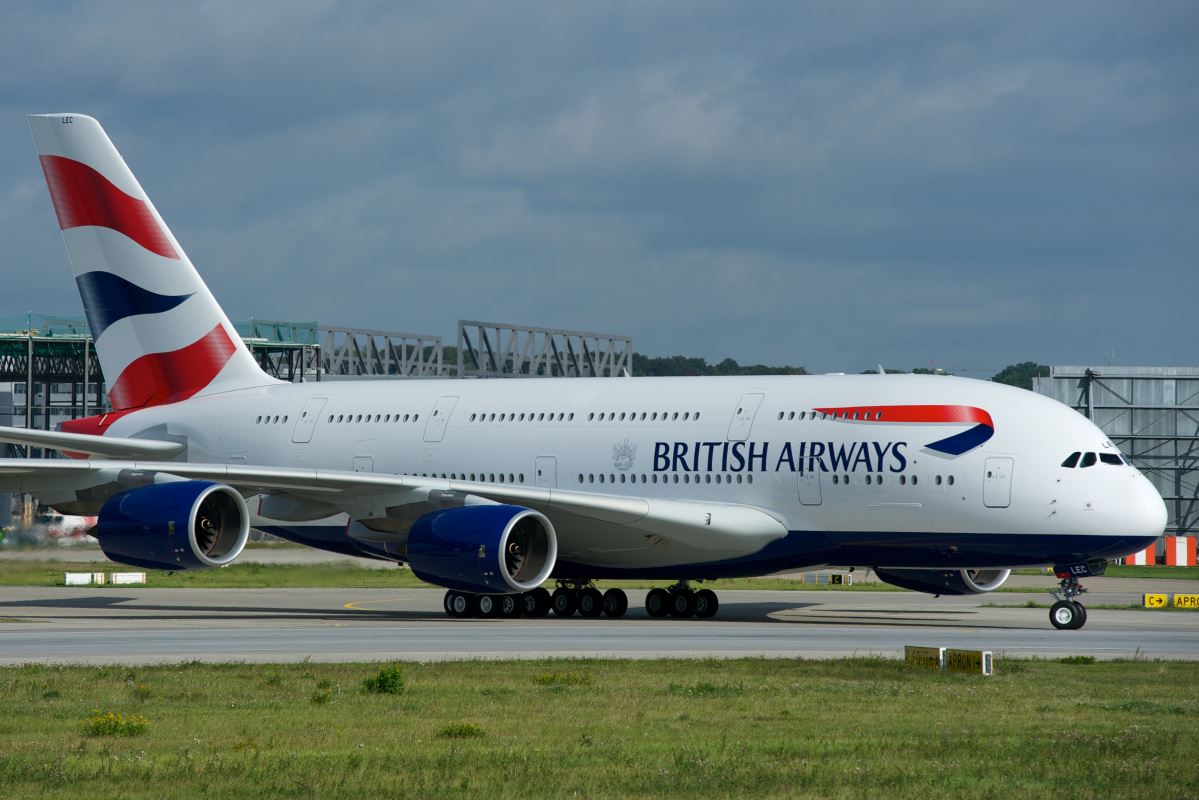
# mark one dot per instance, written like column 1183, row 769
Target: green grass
column 1161, row 573
column 747, row 728
column 1129, row 571
column 331, row 575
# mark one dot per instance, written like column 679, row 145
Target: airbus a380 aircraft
column 489, row 488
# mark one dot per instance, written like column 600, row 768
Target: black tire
column 706, row 604
column 489, row 605
column 682, row 604
column 510, row 605
column 1064, row 615
column 591, row 603
column 564, row 602
column 445, row 602
column 1082, row 616
column 462, row 605
column 616, row 603
column 535, row 603
column 657, row 602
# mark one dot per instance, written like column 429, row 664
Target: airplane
column 491, row 488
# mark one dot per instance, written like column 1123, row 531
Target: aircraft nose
column 1150, row 514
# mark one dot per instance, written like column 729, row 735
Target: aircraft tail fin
column 160, row 335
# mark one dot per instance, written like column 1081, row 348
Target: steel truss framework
column 67, row 381
column 494, row 349
column 360, row 351
column 1152, row 415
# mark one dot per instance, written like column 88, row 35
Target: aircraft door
column 435, row 428
column 307, row 422
column 809, row 488
column 743, row 417
column 546, row 471
column 997, row 482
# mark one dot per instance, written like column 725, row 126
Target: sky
column 830, row 185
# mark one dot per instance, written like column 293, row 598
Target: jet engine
column 174, row 526
column 489, row 549
column 945, row 581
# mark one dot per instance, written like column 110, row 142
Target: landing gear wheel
column 564, row 602
column 535, row 602
column 682, row 604
column 616, row 602
column 706, row 604
column 591, row 603
column 461, row 605
column 657, row 602
column 509, row 605
column 445, row 602
column 1067, row 615
column 489, row 605
column 1082, row 615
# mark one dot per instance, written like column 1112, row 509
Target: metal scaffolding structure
column 49, row 371
column 364, row 352
column 1152, row 415
column 495, row 349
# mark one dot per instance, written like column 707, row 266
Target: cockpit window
column 1110, row 458
column 1088, row 460
column 1071, row 460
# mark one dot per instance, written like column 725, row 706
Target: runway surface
column 141, row 626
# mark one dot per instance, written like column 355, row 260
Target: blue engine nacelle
column 487, row 548
column 945, row 581
column 174, row 526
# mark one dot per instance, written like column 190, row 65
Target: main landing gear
column 680, row 601
column 582, row 598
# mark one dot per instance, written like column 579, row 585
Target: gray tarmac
column 134, row 625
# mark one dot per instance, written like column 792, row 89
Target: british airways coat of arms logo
column 623, row 455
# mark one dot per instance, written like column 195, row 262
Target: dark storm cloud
column 826, row 184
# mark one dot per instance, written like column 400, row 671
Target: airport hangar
column 1150, row 413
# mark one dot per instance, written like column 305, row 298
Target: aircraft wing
column 108, row 446
column 723, row 529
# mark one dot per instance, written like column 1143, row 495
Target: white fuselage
column 693, row 438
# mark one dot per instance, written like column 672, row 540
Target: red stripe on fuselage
column 82, row 196
column 965, row 415
column 158, row 378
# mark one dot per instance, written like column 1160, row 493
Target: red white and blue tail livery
column 160, row 335
column 490, row 488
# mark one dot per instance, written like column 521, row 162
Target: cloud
column 829, row 185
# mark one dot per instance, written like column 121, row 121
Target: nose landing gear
column 1067, row 613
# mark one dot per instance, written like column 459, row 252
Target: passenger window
column 1088, row 460
column 1110, row 458
column 937, row 480
column 1071, row 460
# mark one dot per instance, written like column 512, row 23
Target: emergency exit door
column 743, row 417
column 435, row 428
column 997, row 482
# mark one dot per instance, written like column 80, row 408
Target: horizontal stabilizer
column 108, row 446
